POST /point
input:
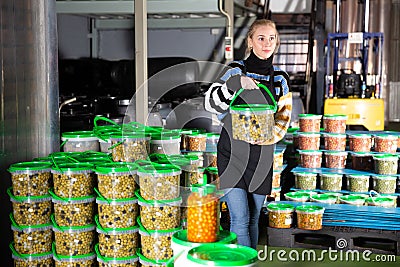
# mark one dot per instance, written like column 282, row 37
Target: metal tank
column 28, row 92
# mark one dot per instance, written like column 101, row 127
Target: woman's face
column 263, row 41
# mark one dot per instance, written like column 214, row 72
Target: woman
column 245, row 169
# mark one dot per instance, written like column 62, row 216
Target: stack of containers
column 160, row 204
column 30, row 218
column 118, row 209
column 308, row 139
column 73, row 220
column 385, row 163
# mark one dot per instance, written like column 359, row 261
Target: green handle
column 101, row 197
column 98, row 118
column 261, row 86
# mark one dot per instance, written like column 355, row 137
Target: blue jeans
column 244, row 210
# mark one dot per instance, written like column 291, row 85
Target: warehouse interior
column 65, row 64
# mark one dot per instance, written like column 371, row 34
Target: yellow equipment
column 368, row 112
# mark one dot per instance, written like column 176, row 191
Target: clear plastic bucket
column 309, row 123
column 309, row 217
column 280, row 215
column 253, row 122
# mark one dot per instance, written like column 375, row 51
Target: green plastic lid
column 310, row 152
column 380, row 201
column 337, row 135
column 335, row 116
column 305, row 174
column 335, row 153
column 29, row 257
column 116, row 167
column 157, row 203
column 310, row 209
column 334, row 175
column 73, row 167
column 309, row 116
column 223, row 237
column 222, row 255
column 297, row 195
column 212, row 170
column 280, row 207
column 360, row 135
column 131, row 135
column 150, row 262
column 78, row 134
column 30, row 166
column 325, row 198
column 309, row 134
column 158, row 169
column 114, row 231
column 358, row 176
column 252, row 107
column 213, row 135
column 389, row 157
column 360, row 154
column 165, row 136
column 203, row 189
column 353, row 198
column 27, row 199
column 386, row 136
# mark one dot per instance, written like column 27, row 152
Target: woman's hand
column 248, row 83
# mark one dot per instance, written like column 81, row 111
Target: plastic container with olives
column 156, row 244
column 30, row 210
column 335, row 123
column 159, row 181
column 131, row 261
column 192, row 175
column 31, row 239
column 331, row 181
column 324, row 198
column 252, row 122
column 310, row 158
column 165, row 142
column 73, row 179
column 335, row 141
column 73, row 211
column 358, row 182
column 384, row 184
column 309, row 141
column 117, row 242
column 335, row 159
column 196, row 142
column 356, row 200
column 117, row 180
column 146, row 262
column 381, row 201
column 30, row 178
column 280, row 215
column 80, row 141
column 309, row 123
column 386, row 164
column 309, row 217
column 305, row 180
column 159, row 215
column 129, row 147
column 297, row 196
column 117, row 213
column 360, row 142
column 86, row 260
column 30, row 260
column 386, row 143
column 74, row 240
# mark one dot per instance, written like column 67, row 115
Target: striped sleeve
column 218, row 96
column 282, row 117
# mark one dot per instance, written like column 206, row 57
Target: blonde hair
column 253, row 28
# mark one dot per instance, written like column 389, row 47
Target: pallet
column 376, row 241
